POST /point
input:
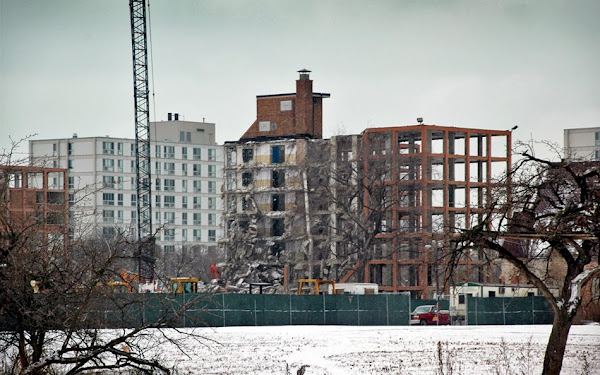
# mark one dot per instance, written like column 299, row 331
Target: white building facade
column 186, row 182
column 582, row 144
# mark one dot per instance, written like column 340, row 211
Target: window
column 119, row 199
column 247, row 155
column 157, row 151
column 181, row 136
column 197, row 202
column 158, row 184
column 277, row 154
column 245, row 204
column 184, row 218
column 491, row 293
column 157, row 217
column 184, row 185
column 119, row 183
column 185, row 136
column 278, row 178
column 197, row 219
column 197, row 153
column 71, row 198
column 212, row 235
column 132, row 166
column 70, row 164
column 120, row 166
column 169, row 201
column 246, row 178
column 70, row 148
column 461, row 298
column 184, row 153
column 120, row 217
column 597, row 138
column 184, row 235
column 212, row 171
column 184, row 169
column 108, row 148
column 108, row 182
column 277, row 227
column 170, row 168
column 197, row 186
column 597, row 155
column 157, row 200
column 157, row 168
column 169, row 152
column 71, row 182
column 197, row 169
column 212, row 219
column 133, row 217
column 108, row 199
column 168, row 235
column 108, row 232
column 197, row 236
column 108, row 165
column 133, row 200
column 212, row 187
column 132, row 149
column 184, row 201
column 120, row 148
column 278, row 202
column 169, row 185
column 212, row 203
column 212, row 154
column 108, row 216
column 169, row 217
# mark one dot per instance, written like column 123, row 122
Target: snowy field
column 348, row 350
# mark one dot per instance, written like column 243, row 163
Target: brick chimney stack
column 294, row 114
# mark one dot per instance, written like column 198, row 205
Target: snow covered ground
column 348, row 350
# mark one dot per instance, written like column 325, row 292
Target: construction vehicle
column 315, row 286
column 183, row 285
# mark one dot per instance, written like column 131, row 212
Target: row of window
column 169, row 235
column 277, row 178
column 277, row 155
column 112, row 182
column 277, row 203
column 118, row 217
column 166, row 201
column 108, row 165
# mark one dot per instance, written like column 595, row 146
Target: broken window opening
column 246, row 178
column 278, row 178
column 247, row 155
column 277, row 227
column 277, row 154
column 278, row 202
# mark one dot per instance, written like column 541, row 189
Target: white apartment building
column 582, row 144
column 186, row 174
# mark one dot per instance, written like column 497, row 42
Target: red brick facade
column 294, row 114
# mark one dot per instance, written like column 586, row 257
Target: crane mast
column 145, row 250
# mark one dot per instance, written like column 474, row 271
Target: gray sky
column 66, row 66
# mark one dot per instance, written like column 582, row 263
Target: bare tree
column 56, row 293
column 557, row 206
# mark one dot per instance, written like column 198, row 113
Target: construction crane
column 145, row 244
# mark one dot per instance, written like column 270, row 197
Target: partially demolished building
column 374, row 207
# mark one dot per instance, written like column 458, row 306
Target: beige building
column 582, row 144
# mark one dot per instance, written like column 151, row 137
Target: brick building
column 34, row 204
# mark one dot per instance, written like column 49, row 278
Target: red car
column 429, row 315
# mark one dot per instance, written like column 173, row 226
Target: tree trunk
column 557, row 343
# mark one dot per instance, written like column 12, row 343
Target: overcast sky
column 66, row 65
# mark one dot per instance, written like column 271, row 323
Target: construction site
column 375, row 207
